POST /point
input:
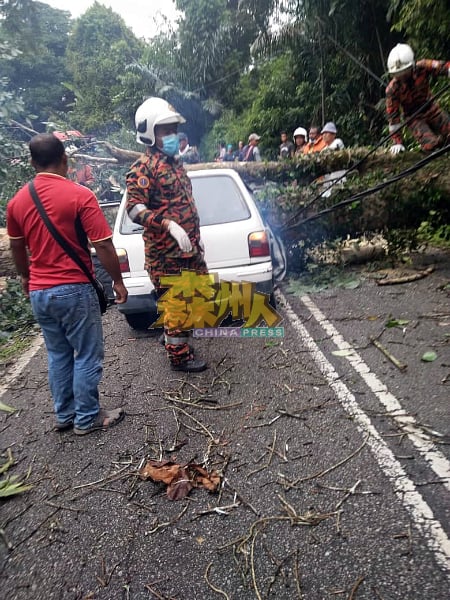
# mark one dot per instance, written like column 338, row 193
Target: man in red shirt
column 63, row 300
column 409, row 91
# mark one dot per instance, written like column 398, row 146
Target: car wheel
column 279, row 258
column 140, row 320
column 273, row 301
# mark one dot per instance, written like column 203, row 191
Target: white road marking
column 20, row 364
column 421, row 514
column 424, row 445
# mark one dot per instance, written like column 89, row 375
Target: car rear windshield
column 110, row 211
column 218, row 200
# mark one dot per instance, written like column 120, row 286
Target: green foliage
column 318, row 278
column 14, row 160
column 10, row 486
column 435, row 231
column 40, row 34
column 99, row 50
column 16, row 316
column 424, row 24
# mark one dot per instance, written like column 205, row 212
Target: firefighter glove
column 397, row 148
column 180, row 236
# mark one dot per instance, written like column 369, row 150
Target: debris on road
column 180, row 479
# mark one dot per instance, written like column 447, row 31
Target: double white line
column 422, row 515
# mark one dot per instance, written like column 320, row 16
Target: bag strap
column 56, row 235
column 249, row 153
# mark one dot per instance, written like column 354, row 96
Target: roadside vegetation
column 17, row 324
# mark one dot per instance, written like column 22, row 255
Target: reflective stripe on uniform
column 137, row 208
column 176, row 341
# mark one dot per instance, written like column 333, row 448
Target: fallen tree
column 290, row 193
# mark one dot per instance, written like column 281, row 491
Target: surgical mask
column 170, row 144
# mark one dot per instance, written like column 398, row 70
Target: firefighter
column 159, row 197
column 409, row 91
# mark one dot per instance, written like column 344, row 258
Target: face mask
column 170, row 144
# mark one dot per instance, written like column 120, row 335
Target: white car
column 238, row 245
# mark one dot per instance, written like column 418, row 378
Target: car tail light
column 258, row 244
column 123, row 260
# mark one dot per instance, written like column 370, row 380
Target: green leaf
column 6, row 408
column 348, row 352
column 429, row 356
column 351, row 285
column 396, row 323
column 11, row 487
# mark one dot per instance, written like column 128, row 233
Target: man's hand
column 25, row 280
column 120, row 292
column 397, row 148
column 181, row 237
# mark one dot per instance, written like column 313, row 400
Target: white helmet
column 300, row 131
column 400, row 58
column 154, row 111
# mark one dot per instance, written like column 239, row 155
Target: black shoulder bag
column 98, row 286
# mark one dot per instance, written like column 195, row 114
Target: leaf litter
column 180, row 479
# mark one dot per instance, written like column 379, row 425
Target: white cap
column 329, row 128
column 254, row 136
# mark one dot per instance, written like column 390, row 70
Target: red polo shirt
column 63, row 201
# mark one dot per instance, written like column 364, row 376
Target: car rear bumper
column 142, row 297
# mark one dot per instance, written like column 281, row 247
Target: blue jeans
column 70, row 319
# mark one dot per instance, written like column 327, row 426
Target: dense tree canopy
column 230, row 66
column 99, row 50
column 40, row 34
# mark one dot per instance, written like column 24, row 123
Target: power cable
column 377, row 188
column 431, row 99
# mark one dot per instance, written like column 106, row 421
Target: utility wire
column 377, row 188
column 289, row 222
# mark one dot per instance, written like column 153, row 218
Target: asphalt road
column 335, row 467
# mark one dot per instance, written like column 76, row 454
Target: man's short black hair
column 46, row 150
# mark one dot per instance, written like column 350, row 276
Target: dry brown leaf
column 162, row 470
column 180, row 479
column 202, row 478
column 180, row 487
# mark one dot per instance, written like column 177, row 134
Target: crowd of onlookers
column 316, row 141
column 303, row 142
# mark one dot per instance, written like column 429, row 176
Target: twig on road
column 213, row 587
column 242, row 499
column 60, row 507
column 106, row 577
column 297, row 577
column 400, row 366
column 263, row 424
column 215, row 441
column 168, row 523
column 252, row 565
column 355, row 587
column 107, row 479
column 407, row 535
column 156, row 593
column 219, row 510
column 291, row 484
